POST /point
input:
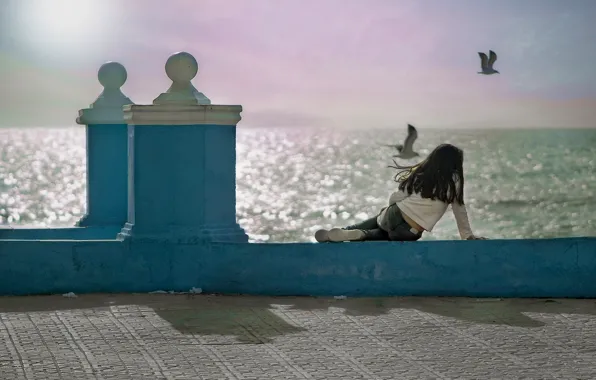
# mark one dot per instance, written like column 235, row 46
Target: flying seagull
column 405, row 150
column 486, row 63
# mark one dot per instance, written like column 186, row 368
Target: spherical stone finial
column 108, row 105
column 182, row 67
column 112, row 75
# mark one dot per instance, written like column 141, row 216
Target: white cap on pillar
column 182, row 68
column 107, row 108
column 182, row 104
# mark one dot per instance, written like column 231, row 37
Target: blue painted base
column 107, row 175
column 67, row 233
column 92, row 221
column 492, row 268
column 187, row 235
column 85, row 221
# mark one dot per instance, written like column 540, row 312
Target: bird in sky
column 486, row 63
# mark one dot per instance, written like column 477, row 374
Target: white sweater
column 427, row 212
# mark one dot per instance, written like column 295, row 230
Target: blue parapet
column 182, row 161
column 493, row 268
column 175, row 205
column 107, row 151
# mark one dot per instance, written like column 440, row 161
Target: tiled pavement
column 217, row 337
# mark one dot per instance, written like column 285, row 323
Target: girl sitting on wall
column 424, row 192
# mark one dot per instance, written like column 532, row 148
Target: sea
column 521, row 183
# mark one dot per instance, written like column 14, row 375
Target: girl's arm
column 463, row 224
column 461, row 217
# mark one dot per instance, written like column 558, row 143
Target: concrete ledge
column 67, row 233
column 494, row 268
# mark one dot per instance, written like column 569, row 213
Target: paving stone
column 182, row 337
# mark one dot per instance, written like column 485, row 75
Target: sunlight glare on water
column 519, row 184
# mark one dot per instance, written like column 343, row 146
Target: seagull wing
column 492, row 58
column 483, row 60
column 396, row 146
column 412, row 136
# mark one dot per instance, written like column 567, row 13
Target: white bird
column 486, row 63
column 405, row 150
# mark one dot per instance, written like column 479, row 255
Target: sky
column 311, row 63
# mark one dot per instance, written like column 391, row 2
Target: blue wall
column 494, row 268
column 107, row 175
column 67, row 233
column 182, row 183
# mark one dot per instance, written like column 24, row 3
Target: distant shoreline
column 397, row 127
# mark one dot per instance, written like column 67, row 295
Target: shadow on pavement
column 511, row 312
column 257, row 320
column 249, row 320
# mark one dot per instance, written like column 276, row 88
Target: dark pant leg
column 368, row 224
column 376, row 234
column 403, row 233
column 371, row 229
column 397, row 228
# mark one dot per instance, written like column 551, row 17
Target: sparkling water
column 290, row 182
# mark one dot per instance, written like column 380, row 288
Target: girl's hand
column 472, row 237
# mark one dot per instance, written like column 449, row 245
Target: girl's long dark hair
column 436, row 176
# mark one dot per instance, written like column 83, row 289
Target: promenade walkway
column 194, row 337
